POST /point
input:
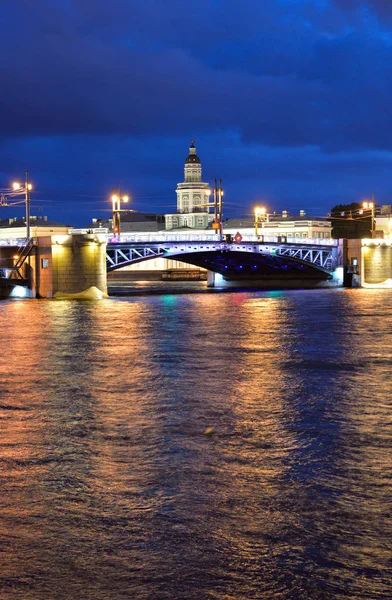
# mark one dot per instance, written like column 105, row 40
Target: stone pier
column 69, row 265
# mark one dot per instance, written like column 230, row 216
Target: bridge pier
column 68, row 266
column 275, row 284
column 78, row 266
column 211, row 279
column 219, row 281
column 369, row 263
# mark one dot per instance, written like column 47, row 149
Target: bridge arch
column 232, row 261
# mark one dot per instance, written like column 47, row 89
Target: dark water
column 111, row 490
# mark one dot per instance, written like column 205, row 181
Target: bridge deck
column 128, row 250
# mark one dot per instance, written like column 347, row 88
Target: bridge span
column 234, row 258
column 80, row 260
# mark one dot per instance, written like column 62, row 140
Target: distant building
column 383, row 222
column 193, row 197
column 39, row 227
column 285, row 225
column 134, row 222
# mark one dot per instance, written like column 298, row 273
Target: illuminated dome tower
column 192, row 197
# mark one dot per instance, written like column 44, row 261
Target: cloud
column 272, row 76
column 111, row 85
column 379, row 8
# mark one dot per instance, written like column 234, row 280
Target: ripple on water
column 111, row 489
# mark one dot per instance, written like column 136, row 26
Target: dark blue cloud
column 280, row 95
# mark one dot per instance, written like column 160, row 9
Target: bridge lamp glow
column 59, row 239
column 16, row 186
column 260, row 213
column 114, row 197
column 125, row 198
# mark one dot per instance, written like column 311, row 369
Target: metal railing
column 180, row 237
column 184, row 237
column 95, row 230
column 13, row 242
column 24, row 247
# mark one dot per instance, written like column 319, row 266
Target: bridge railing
column 300, row 241
column 13, row 242
column 140, row 238
column 215, row 238
column 103, row 230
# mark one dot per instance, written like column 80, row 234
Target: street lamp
column 370, row 206
column 116, row 210
column 19, row 188
column 220, row 196
column 218, row 211
column 260, row 215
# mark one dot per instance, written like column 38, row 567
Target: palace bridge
column 73, row 263
column 233, row 257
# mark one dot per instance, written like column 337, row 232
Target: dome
column 192, row 157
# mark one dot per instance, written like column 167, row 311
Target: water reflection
column 110, row 489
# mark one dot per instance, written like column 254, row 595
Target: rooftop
column 34, row 222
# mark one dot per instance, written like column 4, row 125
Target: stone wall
column 42, row 276
column 79, row 263
column 377, row 265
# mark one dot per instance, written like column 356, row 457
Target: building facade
column 39, row 227
column 285, row 225
column 193, row 197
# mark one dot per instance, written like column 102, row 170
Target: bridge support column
column 79, row 266
column 210, row 279
column 352, row 260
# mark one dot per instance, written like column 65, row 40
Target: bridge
column 248, row 257
column 13, row 256
column 81, row 259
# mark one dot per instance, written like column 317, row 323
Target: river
column 111, row 488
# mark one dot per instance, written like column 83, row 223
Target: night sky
column 289, row 101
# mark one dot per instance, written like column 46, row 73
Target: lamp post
column 220, row 195
column 18, row 188
column 116, row 210
column 370, row 206
column 218, row 212
column 260, row 213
